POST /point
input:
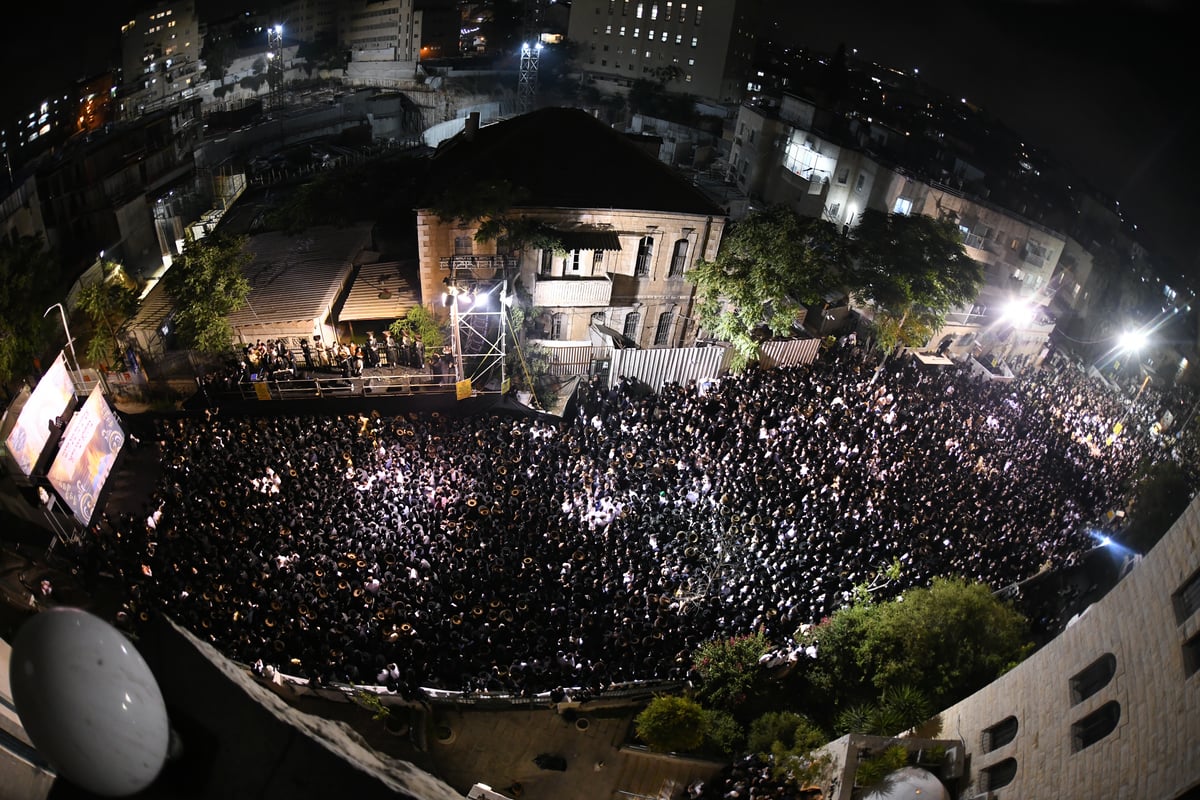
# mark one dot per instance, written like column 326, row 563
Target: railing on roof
column 478, row 262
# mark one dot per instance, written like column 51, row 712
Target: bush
column 772, row 727
column 725, row 735
column 729, row 669
column 872, row 771
column 670, row 724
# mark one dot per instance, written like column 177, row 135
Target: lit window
column 622, row 31
column 664, row 35
column 637, row 32
column 639, row 10
column 687, row 78
column 608, row 29
column 683, row 12
column 691, row 62
column 903, row 206
column 654, row 11
column 695, row 41
column 699, row 13
column 679, row 38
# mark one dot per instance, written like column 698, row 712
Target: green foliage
column 874, row 769
column 28, row 276
column 519, row 233
column 912, row 269
column 771, row 265
column 797, row 760
column 672, row 724
column 207, row 283
column 1161, row 494
column 787, row 728
column 371, row 702
column 108, row 304
column 941, row 642
column 858, row 718
column 471, row 202
column 418, row 321
column 729, row 669
column 724, row 735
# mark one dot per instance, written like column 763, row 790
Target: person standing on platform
column 390, row 348
column 371, row 351
column 307, row 351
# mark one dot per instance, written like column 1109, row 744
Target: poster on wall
column 86, row 454
column 50, row 399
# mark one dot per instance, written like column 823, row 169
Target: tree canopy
column 108, row 304
column 911, row 269
column 207, row 283
column 944, row 641
column 28, row 276
column 771, row 264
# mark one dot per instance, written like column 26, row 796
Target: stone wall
column 1154, row 750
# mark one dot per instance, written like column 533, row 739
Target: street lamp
column 70, row 341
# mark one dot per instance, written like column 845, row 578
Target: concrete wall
column 1154, row 751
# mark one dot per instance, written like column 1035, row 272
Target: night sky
column 1103, row 85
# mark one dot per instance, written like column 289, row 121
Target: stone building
column 1111, row 707
column 621, row 228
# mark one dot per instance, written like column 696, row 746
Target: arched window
column 1095, row 726
column 999, row 775
column 999, row 734
column 1093, row 678
column 678, row 259
column 641, row 268
column 662, row 334
column 633, row 321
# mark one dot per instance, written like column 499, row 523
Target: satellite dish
column 89, row 702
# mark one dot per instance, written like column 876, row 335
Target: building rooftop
column 564, row 158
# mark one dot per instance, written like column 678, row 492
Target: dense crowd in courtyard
column 527, row 553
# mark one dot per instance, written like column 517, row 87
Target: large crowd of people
column 529, row 553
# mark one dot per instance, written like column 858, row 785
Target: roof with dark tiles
column 564, row 158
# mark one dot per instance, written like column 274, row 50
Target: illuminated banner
column 49, row 400
column 85, row 456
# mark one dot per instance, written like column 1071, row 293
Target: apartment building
column 160, row 56
column 701, row 48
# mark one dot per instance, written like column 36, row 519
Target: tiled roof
column 564, row 158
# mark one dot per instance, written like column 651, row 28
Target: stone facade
column 577, row 287
column 1144, row 634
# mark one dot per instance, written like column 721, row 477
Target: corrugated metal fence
column 788, row 352
column 678, row 364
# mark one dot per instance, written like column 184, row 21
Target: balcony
column 488, row 262
column 554, row 292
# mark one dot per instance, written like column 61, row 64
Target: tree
column 911, row 269
column 729, row 670
column 108, row 304
column 420, row 323
column 672, row 724
column 780, row 727
column 771, row 265
column 1160, row 496
column 28, row 275
column 942, row 643
column 207, row 283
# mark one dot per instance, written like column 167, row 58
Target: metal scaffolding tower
column 275, row 65
column 528, row 85
column 479, row 327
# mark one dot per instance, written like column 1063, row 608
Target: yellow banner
column 463, row 389
column 262, row 390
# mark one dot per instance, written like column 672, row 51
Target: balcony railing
column 478, row 262
column 568, row 292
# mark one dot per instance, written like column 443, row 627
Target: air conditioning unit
column 952, row 768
